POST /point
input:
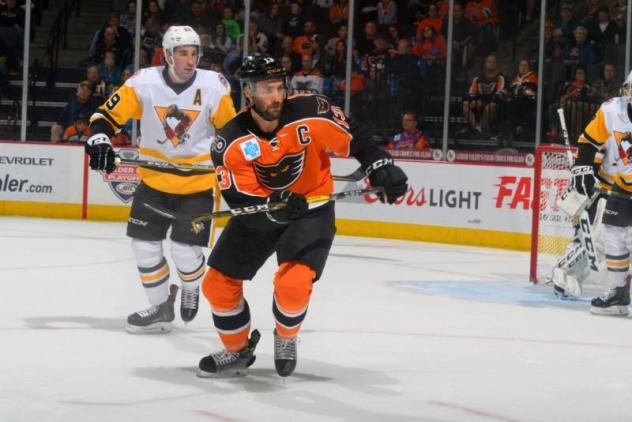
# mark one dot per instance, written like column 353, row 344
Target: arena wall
column 469, row 204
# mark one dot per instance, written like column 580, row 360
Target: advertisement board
column 486, row 205
column 454, row 203
column 40, row 173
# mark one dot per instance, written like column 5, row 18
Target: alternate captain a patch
column 282, row 174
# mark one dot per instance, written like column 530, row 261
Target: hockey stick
column 354, row 176
column 196, row 222
column 585, row 227
column 164, row 165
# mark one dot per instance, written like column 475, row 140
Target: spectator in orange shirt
column 357, row 82
column 339, row 12
column 412, row 137
column 444, row 8
column 484, row 16
column 522, row 105
column 482, row 12
column 433, row 19
column 79, row 131
column 430, row 45
column 303, row 43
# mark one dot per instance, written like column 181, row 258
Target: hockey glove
column 583, row 180
column 101, row 153
column 294, row 210
column 384, row 174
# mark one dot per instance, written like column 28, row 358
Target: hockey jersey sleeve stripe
column 104, row 116
column 224, row 113
column 624, row 181
column 597, row 131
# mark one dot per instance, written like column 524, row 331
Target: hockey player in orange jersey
column 276, row 150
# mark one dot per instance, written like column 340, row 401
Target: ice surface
column 396, row 331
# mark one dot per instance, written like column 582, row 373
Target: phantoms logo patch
column 176, row 123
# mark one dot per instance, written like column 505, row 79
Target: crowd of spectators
column 398, row 56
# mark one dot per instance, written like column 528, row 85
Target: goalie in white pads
column 179, row 107
column 583, row 260
column 607, row 142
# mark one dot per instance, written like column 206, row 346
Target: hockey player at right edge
column 609, row 135
column 275, row 150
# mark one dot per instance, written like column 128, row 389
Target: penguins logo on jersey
column 624, row 145
column 282, row 174
column 176, row 123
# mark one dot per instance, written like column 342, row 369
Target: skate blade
column 156, row 328
column 232, row 373
column 611, row 311
column 571, row 286
column 229, row 373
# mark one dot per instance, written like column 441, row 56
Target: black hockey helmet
column 261, row 67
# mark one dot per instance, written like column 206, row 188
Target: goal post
column 551, row 229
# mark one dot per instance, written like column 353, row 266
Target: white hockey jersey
column 176, row 122
column 609, row 132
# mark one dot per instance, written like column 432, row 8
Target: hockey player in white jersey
column 179, row 107
column 607, row 142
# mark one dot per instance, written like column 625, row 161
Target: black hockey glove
column 583, row 179
column 101, row 153
column 294, row 210
column 384, row 174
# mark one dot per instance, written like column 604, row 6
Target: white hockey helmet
column 177, row 36
column 626, row 89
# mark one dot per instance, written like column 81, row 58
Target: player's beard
column 270, row 113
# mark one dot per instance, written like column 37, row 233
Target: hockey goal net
column 552, row 229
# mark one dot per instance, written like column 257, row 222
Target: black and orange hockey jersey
column 251, row 165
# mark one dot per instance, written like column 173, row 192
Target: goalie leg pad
column 566, row 287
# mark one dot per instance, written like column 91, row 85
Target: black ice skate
column 189, row 301
column 229, row 364
column 155, row 319
column 614, row 302
column 284, row 354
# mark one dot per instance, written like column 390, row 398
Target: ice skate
column 284, row 354
column 189, row 303
column 614, row 302
column 229, row 364
column 155, row 319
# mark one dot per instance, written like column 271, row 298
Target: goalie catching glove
column 101, row 153
column 583, row 179
column 386, row 175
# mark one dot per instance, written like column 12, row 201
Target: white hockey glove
column 101, row 153
column 583, row 179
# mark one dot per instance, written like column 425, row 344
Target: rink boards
column 483, row 205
